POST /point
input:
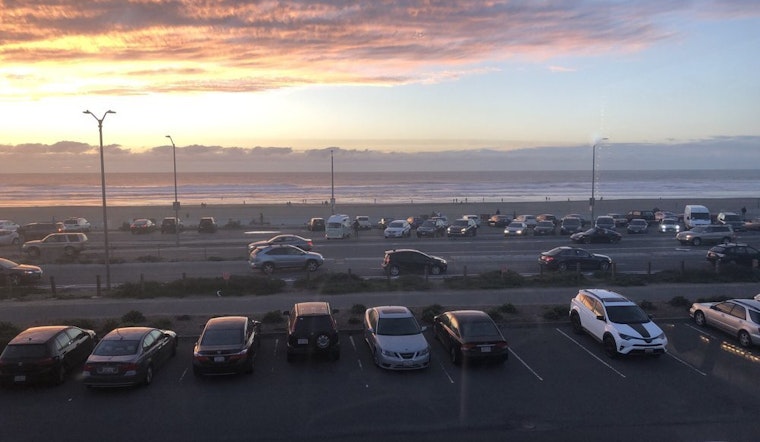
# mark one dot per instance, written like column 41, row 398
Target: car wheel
column 562, row 267
column 148, row 375
column 15, row 279
column 699, row 318
column 174, row 350
column 268, row 268
column 312, row 266
column 744, row 339
column 604, row 266
column 610, row 348
column 696, row 241
column 586, row 240
column 69, row 251
column 34, row 252
column 575, row 320
column 394, row 270
column 435, row 270
column 455, row 355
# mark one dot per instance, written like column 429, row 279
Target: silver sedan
column 395, row 338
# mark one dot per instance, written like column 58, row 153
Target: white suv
column 618, row 323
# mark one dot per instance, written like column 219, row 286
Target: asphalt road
column 555, row 386
column 156, row 257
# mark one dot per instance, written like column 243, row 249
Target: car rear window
column 25, row 351
column 478, row 329
column 225, row 336
column 116, row 347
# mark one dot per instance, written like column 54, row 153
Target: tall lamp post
column 103, row 190
column 176, row 202
column 592, row 201
column 332, row 183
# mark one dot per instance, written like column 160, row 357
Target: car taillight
column 501, row 345
column 467, row 347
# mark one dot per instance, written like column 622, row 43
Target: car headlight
column 388, row 353
column 627, row 337
column 424, row 351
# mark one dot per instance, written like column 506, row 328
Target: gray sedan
column 287, row 239
column 269, row 258
column 738, row 317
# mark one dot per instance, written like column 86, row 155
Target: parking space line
column 274, row 354
column 701, row 331
column 526, row 365
column 686, row 364
column 358, row 359
column 182, row 377
column 440, row 363
column 592, row 355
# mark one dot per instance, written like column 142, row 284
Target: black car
column 312, row 330
column 228, row 344
column 499, row 220
column 568, row 258
column 207, row 224
column 595, row 235
column 35, row 231
column 129, row 356
column 431, row 228
column 47, row 354
column 470, row 335
column 14, row 273
column 413, row 261
column 570, row 225
column 462, row 227
column 316, row 225
column 545, row 228
column 740, row 254
column 637, row 225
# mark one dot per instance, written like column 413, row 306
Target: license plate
column 19, row 378
column 218, row 358
column 485, row 349
column 107, row 370
column 303, row 341
column 648, row 350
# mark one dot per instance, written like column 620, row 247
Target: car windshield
column 479, row 329
column 6, row 263
column 516, row 225
column 460, row 223
column 25, row 351
column 396, row 224
column 116, row 347
column 397, row 326
column 428, row 224
column 222, row 336
column 627, row 314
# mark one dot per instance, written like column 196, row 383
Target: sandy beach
column 295, row 215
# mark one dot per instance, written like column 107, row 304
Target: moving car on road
column 71, row 244
column 293, row 240
column 707, row 234
column 395, row 338
column 399, row 261
column 462, row 227
column 737, row 317
column 637, row 225
column 129, row 356
column 271, row 258
column 516, row 228
column 470, row 335
column 739, row 254
column 227, row 344
column 619, row 324
column 545, row 228
column 570, row 258
column 142, row 225
column 596, row 235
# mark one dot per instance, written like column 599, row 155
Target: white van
column 338, row 227
column 696, row 215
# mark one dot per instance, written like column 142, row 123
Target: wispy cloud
column 120, row 47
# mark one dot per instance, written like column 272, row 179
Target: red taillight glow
column 501, row 345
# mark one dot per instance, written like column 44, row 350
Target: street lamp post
column 592, row 201
column 332, row 184
column 176, row 202
column 103, row 190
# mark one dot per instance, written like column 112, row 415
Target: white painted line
column 701, row 331
column 353, row 344
column 359, row 361
column 274, row 354
column 687, row 364
column 182, row 377
column 525, row 364
column 592, row 355
column 444, row 370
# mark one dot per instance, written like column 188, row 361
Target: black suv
column 207, row 225
column 34, row 231
column 646, row 215
column 740, row 254
column 312, row 330
column 45, row 353
column 410, row 260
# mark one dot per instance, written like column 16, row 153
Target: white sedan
column 398, row 229
column 395, row 338
column 516, row 228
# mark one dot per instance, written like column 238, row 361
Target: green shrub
column 431, row 311
column 83, row 323
column 358, row 309
column 555, row 313
column 354, row 321
column 8, row 331
column 107, row 326
column 133, row 317
column 272, row 317
column 148, row 258
column 679, row 301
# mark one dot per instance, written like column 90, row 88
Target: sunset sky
column 296, row 78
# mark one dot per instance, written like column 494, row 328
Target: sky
column 379, row 85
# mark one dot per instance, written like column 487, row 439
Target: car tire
column 610, row 348
column 69, row 251
column 696, row 241
column 744, row 339
column 562, row 267
column 604, row 266
column 148, row 375
column 34, row 252
column 268, row 268
column 322, row 341
column 435, row 270
column 394, row 270
column 575, row 320
column 312, row 265
column 14, row 279
column 699, row 318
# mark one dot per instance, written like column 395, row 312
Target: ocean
column 132, row 189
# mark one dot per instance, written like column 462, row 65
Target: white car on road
column 398, row 229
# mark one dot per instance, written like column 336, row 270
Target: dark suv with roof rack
column 312, row 330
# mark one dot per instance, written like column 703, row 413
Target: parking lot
column 556, row 386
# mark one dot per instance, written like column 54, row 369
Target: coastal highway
column 155, row 257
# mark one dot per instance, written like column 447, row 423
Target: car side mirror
column 424, row 328
column 371, row 330
column 600, row 317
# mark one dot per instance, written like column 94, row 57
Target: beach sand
column 296, row 215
